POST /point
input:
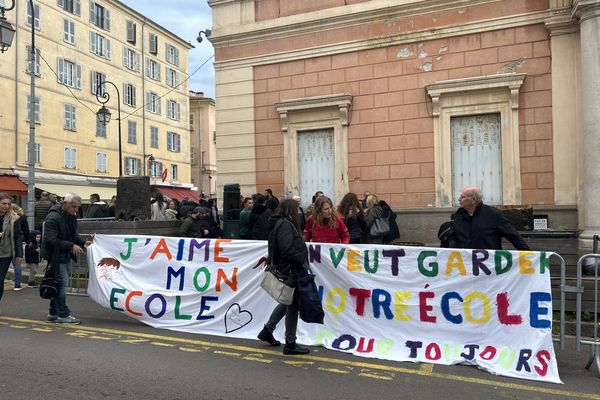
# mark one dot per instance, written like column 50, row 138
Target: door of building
column 316, row 164
column 477, row 156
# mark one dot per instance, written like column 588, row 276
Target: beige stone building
column 82, row 43
column 203, row 144
column 413, row 100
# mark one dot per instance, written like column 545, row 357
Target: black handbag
column 49, row 285
column 311, row 309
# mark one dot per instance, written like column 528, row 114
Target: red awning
column 12, row 185
column 178, row 193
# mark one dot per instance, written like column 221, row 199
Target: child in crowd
column 33, row 256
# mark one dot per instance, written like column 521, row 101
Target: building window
column 70, row 118
column 173, row 142
column 131, row 31
column 131, row 59
column 174, row 174
column 36, row 7
column 153, row 102
column 154, row 137
column 70, row 157
column 72, row 6
column 37, row 108
column 131, row 132
column 152, row 69
column 69, row 31
column 191, row 122
column 100, row 162
column 99, row 16
column 129, row 94
column 97, row 79
column 132, row 166
column 38, row 151
column 192, row 155
column 153, row 39
column 69, row 73
column 100, row 129
column 172, row 54
column 156, row 168
column 100, row 45
column 38, row 67
column 173, row 110
column 172, row 77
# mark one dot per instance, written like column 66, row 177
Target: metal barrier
column 593, row 341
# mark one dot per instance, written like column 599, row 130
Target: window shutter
column 28, row 61
column 61, row 70
column 178, row 111
column 176, row 79
column 94, row 82
column 73, row 118
column 158, row 105
column 133, row 95
column 66, row 157
column 178, row 141
column 93, row 42
column 107, row 52
column 93, row 12
column 148, row 68
column 61, row 3
column 78, row 78
column 77, row 7
column 125, row 57
column 153, row 43
column 148, row 101
column 66, row 118
column 169, row 76
column 136, row 62
column 157, row 72
column 106, row 22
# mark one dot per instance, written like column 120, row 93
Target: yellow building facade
column 81, row 44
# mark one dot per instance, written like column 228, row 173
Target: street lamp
column 7, row 31
column 104, row 115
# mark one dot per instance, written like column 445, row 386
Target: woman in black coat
column 394, row 232
column 288, row 254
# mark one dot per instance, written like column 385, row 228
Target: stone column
column 588, row 13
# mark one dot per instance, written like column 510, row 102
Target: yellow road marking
column 42, row 329
column 189, row 349
column 19, row 326
column 426, row 368
column 161, row 344
column 262, row 360
column 134, row 341
column 96, row 337
column 299, row 363
column 335, row 370
column 331, row 360
column 375, row 376
column 227, row 353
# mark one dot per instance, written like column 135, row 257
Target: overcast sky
column 185, row 18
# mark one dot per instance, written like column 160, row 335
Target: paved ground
column 113, row 356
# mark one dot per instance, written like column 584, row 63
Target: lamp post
column 7, row 31
column 104, row 115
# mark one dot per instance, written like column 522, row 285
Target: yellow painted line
column 262, row 360
column 331, row 360
column 134, row 341
column 375, row 376
column 189, row 349
column 299, row 363
column 96, row 337
column 426, row 368
column 227, row 353
column 161, row 344
column 77, row 334
column 42, row 329
column 19, row 326
column 335, row 370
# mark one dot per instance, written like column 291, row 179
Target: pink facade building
column 413, row 100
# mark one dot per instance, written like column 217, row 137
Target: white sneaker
column 17, row 288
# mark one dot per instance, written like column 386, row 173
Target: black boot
column 293, row 348
column 267, row 336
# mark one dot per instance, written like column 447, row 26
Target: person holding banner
column 289, row 250
column 479, row 226
column 325, row 225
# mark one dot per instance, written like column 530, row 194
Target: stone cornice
column 561, row 22
column 328, row 19
column 510, row 81
column 586, row 9
column 342, row 102
column 538, row 17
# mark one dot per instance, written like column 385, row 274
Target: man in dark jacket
column 61, row 245
column 186, row 207
column 42, row 206
column 97, row 208
column 259, row 219
column 478, row 226
column 197, row 225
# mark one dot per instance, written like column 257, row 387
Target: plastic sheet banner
column 492, row 309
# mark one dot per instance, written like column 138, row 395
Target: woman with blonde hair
column 11, row 239
column 325, row 225
column 373, row 212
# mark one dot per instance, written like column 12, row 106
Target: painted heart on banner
column 236, row 318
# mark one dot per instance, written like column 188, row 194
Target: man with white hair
column 300, row 212
column 479, row 226
column 63, row 244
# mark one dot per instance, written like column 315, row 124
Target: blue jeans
column 58, row 305
column 18, row 270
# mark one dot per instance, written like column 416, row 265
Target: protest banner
column 492, row 309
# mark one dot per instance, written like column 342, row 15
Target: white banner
column 492, row 309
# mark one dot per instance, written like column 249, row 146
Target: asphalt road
column 111, row 356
